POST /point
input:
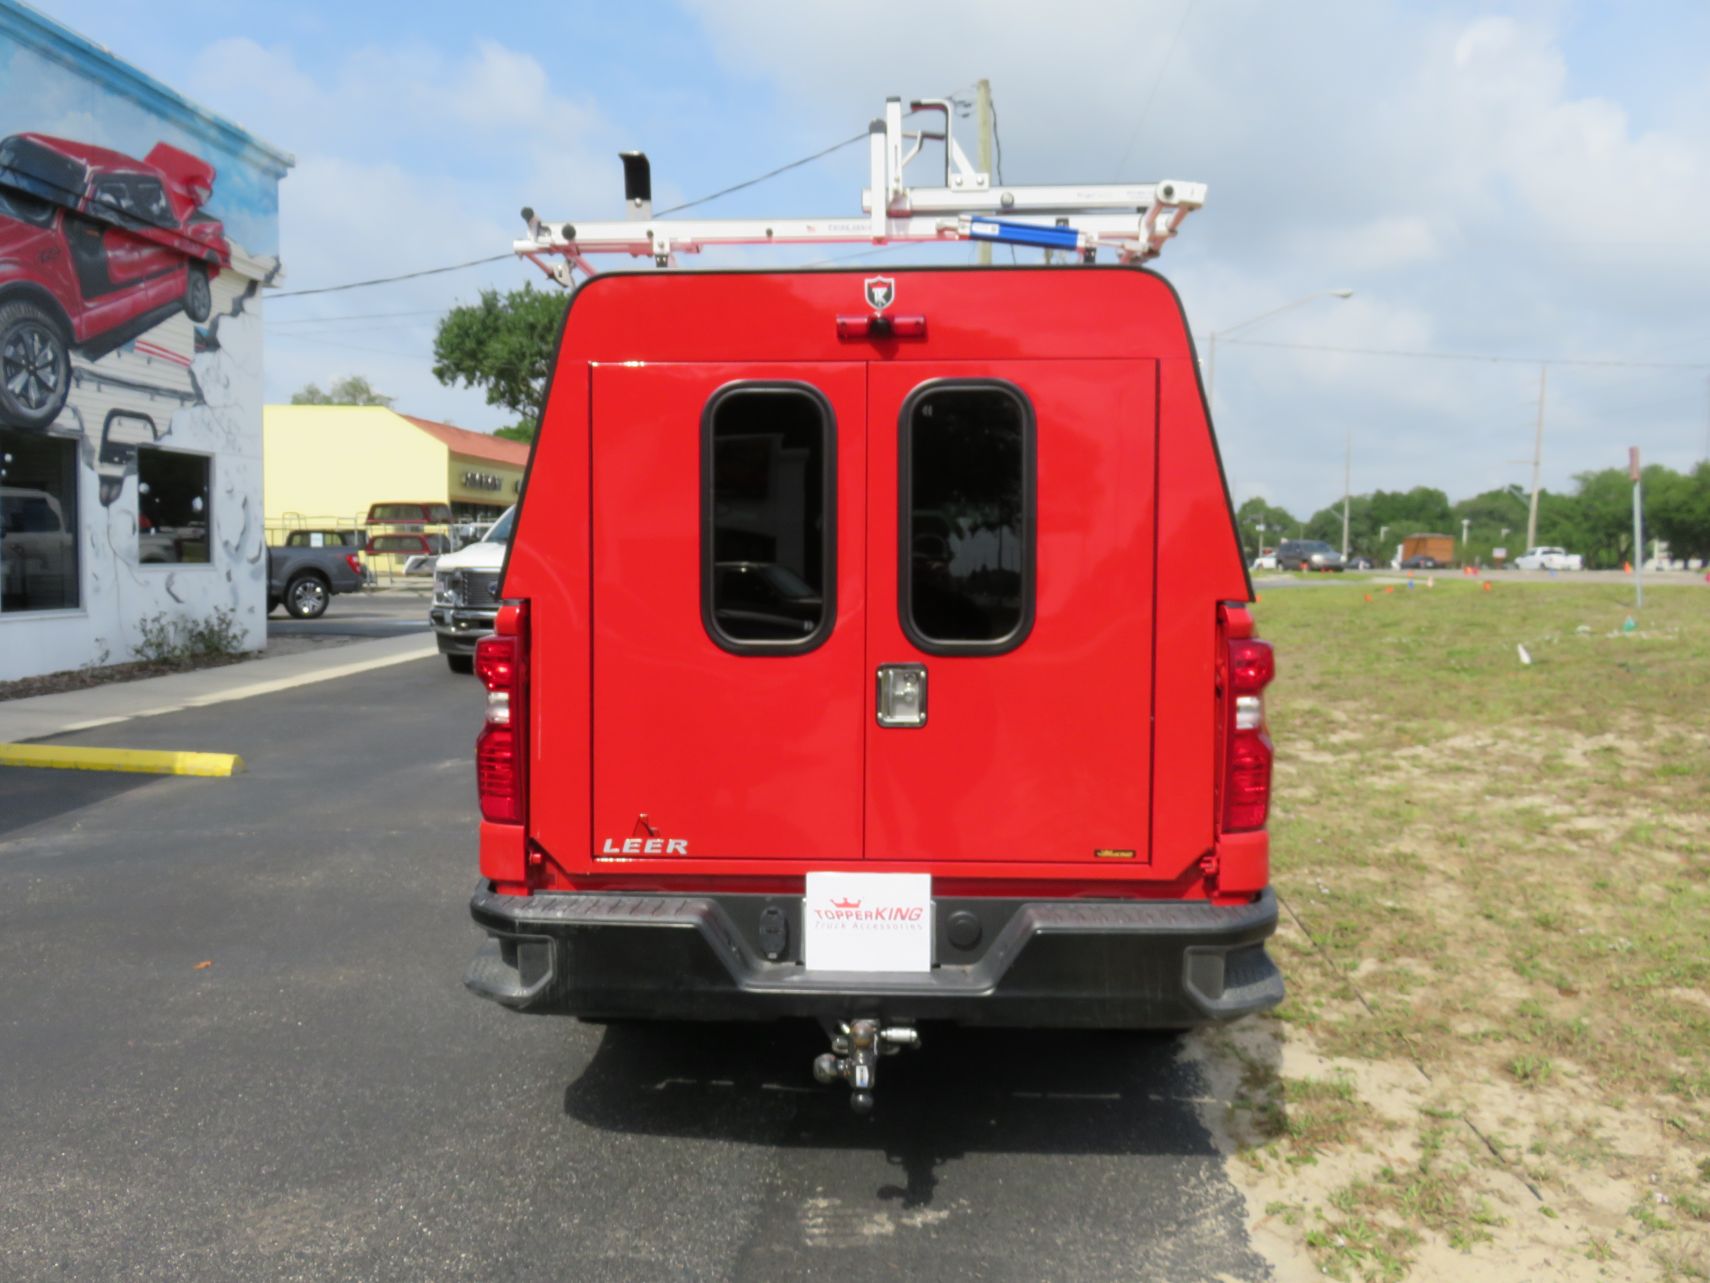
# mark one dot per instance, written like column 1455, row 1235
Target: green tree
column 503, row 344
column 1596, row 521
column 1421, row 510
column 353, row 389
column 1279, row 524
column 1677, row 510
column 1489, row 514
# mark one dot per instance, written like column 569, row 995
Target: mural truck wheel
column 306, row 597
column 35, row 369
column 198, row 295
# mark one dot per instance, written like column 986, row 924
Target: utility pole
column 1537, row 459
column 1638, row 529
column 983, row 109
column 1347, row 479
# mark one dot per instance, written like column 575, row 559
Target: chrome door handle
column 902, row 695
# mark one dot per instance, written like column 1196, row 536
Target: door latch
column 902, row 695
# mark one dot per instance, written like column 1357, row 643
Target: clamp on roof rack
column 1132, row 219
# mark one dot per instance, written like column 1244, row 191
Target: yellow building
column 326, row 465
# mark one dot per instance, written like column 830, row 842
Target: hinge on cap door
column 1208, row 864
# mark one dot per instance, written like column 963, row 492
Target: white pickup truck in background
column 1549, row 559
column 466, row 594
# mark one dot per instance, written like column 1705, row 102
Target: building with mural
column 332, row 464
column 137, row 231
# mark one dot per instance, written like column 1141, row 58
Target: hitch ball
column 854, row 1057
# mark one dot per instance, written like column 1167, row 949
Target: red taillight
column 354, row 562
column 501, row 750
column 1247, row 747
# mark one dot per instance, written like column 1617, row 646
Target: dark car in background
column 1308, row 554
column 303, row 578
column 96, row 248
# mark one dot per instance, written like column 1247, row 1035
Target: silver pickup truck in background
column 313, row 565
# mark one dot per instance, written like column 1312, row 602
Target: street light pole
column 1347, row 480
column 1214, row 335
column 1537, row 459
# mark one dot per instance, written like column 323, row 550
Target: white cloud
column 1480, row 194
column 407, row 159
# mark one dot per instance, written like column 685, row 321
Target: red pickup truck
column 96, row 248
column 875, row 651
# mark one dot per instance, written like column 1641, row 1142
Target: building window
column 174, row 499
column 38, row 522
column 767, row 557
column 966, row 572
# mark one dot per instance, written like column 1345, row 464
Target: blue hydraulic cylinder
column 1006, row 233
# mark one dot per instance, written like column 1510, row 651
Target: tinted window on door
column 766, row 540
column 967, row 519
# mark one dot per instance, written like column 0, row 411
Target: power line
column 496, row 258
column 1598, row 362
column 388, row 280
column 477, row 262
column 865, row 253
column 1158, row 80
column 771, row 173
column 357, row 316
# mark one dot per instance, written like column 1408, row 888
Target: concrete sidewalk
column 42, row 715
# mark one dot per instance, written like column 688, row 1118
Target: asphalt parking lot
column 387, row 612
column 323, row 1099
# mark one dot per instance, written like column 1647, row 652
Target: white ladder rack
column 1132, row 219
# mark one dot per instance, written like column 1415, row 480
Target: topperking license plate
column 867, row 922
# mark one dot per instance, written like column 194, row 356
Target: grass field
column 1494, row 1060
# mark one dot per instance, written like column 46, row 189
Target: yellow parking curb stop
column 150, row 761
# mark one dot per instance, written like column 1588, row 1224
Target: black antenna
column 637, row 183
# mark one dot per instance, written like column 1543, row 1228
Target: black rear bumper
column 1087, row 964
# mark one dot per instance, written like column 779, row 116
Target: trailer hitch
column 854, row 1057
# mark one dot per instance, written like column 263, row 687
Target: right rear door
column 1010, row 535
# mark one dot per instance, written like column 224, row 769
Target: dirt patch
column 76, row 679
column 1495, row 1056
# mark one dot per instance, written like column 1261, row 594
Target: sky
column 1510, row 182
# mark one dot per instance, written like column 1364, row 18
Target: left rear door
column 728, row 610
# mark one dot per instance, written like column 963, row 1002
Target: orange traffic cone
column 1487, row 585
column 1368, row 596
column 1626, row 567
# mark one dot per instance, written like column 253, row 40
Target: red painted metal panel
column 503, row 847
column 1199, row 564
column 997, row 322
column 733, row 755
column 1040, row 753
column 1011, row 314
column 547, row 566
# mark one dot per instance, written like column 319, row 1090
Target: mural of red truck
column 96, row 248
